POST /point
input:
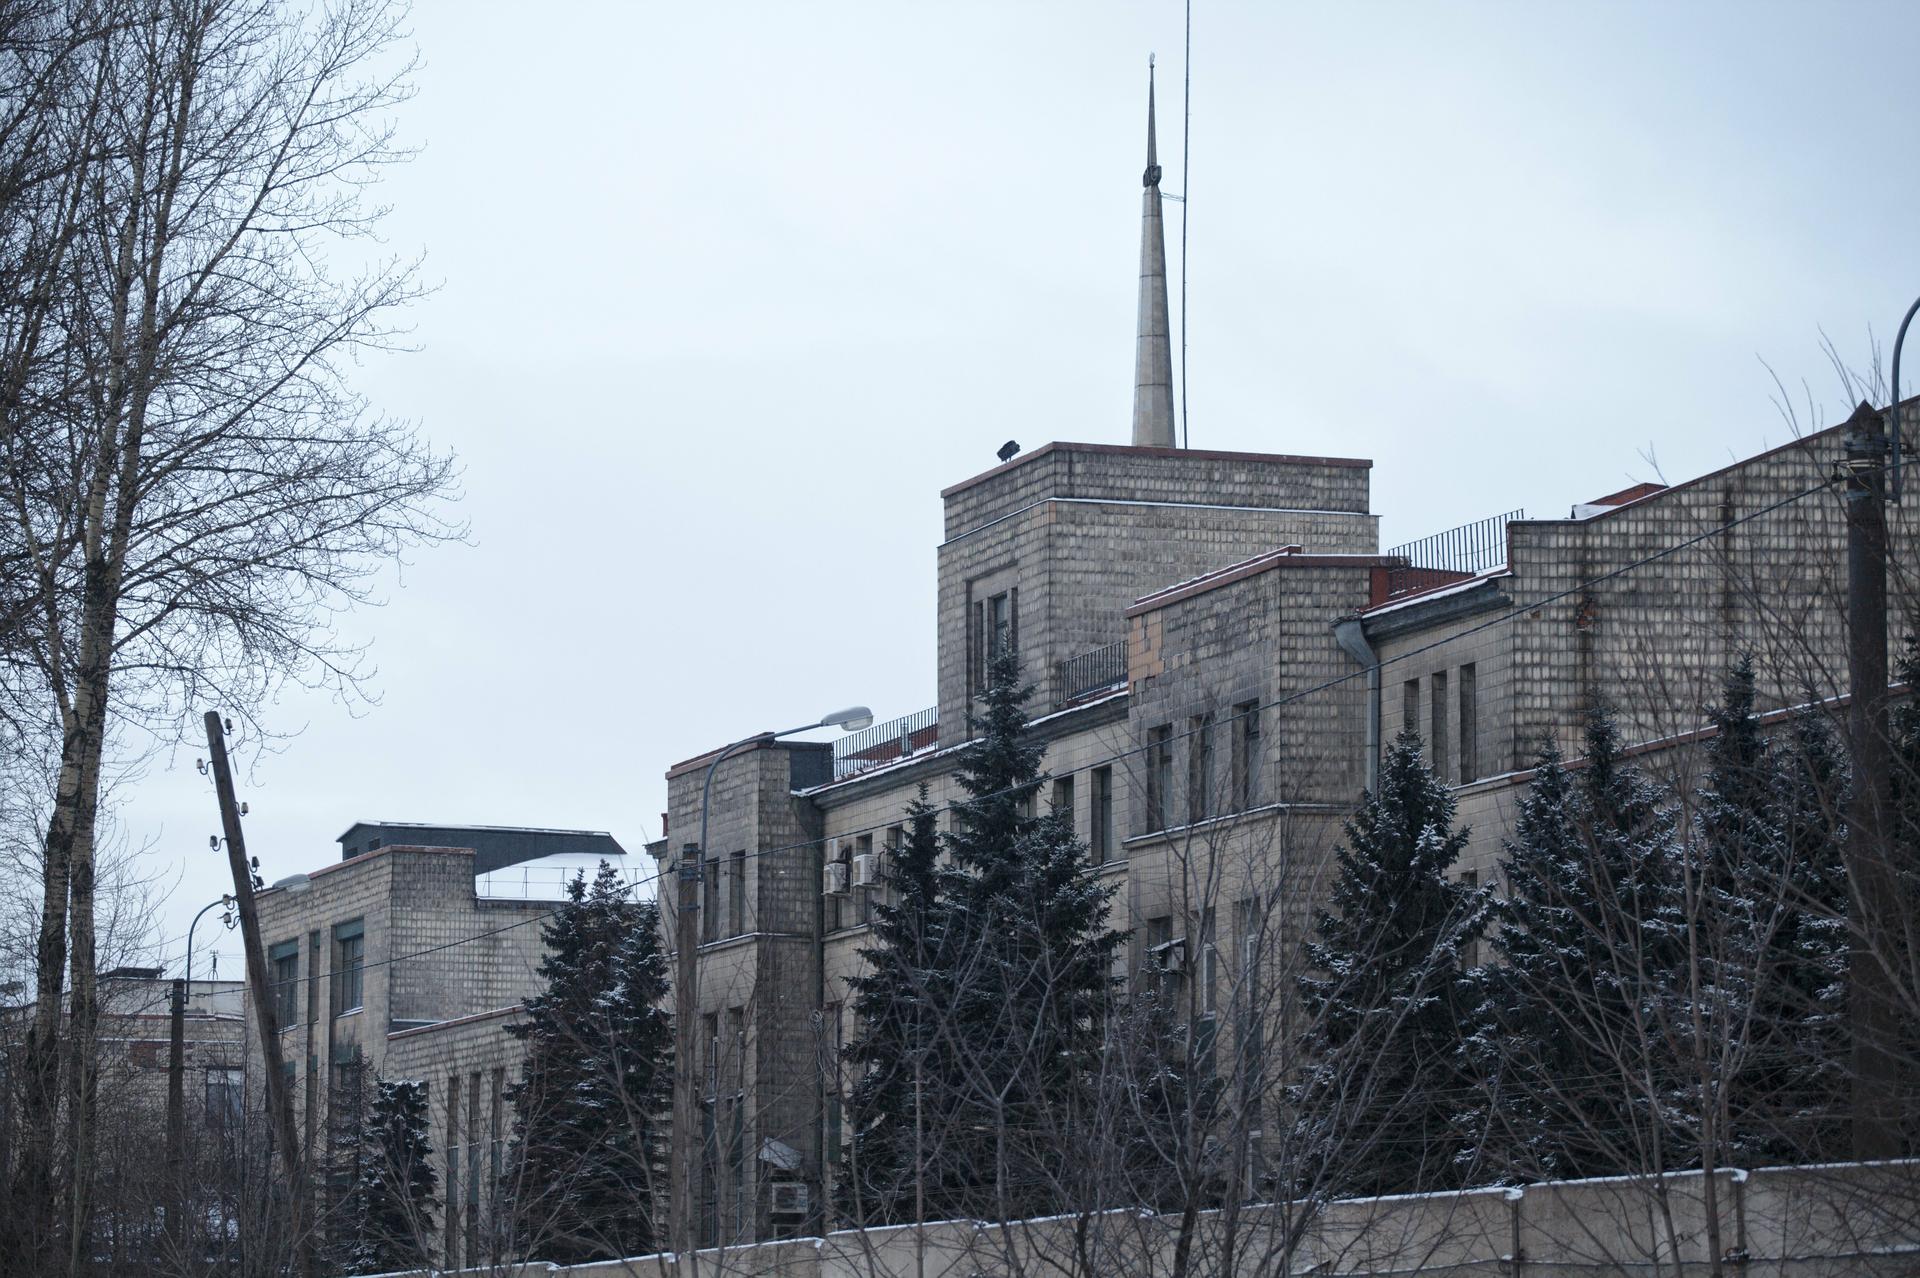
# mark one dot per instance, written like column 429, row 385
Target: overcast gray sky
column 729, row 292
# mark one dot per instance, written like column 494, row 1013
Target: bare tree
column 194, row 488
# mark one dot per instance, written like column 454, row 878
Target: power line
column 1186, row 197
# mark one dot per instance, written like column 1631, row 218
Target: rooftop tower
column 1153, row 350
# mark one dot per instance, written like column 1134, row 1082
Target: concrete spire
column 1153, row 349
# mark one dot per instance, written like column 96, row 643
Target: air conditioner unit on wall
column 787, row 1198
column 835, row 879
column 866, row 870
column 1170, row 956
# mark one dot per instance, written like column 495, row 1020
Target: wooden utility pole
column 1870, row 1002
column 279, row 1101
column 686, row 1115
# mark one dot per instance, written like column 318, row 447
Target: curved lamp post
column 685, row 991
column 1893, row 490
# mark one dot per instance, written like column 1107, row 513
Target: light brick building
column 1221, row 648
column 351, row 949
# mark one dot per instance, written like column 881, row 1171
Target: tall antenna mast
column 1186, row 188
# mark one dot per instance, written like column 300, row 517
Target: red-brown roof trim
column 1285, row 557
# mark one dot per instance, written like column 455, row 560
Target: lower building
column 406, row 959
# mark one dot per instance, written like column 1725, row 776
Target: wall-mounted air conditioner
column 866, row 870
column 834, row 881
column 787, row 1198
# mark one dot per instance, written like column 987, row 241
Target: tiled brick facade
column 1223, row 576
column 424, row 1013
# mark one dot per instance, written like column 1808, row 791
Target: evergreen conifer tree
column 395, row 1184
column 897, row 1001
column 583, row 1179
column 1775, row 887
column 1386, row 997
column 992, row 970
column 1557, row 1032
column 349, row 1101
column 1028, row 957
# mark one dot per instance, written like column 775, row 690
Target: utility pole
column 177, row 1118
column 686, row 925
column 1876, row 1069
column 279, row 1102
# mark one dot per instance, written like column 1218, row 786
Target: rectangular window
column 710, row 900
column 836, row 1043
column 1250, row 1002
column 226, row 1097
column 999, row 624
column 1246, row 755
column 1100, row 817
column 1159, row 774
column 1469, row 725
column 349, row 957
column 1410, row 706
column 864, row 847
column 737, row 893
column 1199, row 768
column 1437, row 741
column 314, row 954
column 1208, row 961
column 1063, row 801
column 1163, row 957
column 283, row 969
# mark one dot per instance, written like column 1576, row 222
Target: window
column 1063, row 801
column 863, row 846
column 283, row 969
column 349, row 956
column 1209, row 964
column 999, row 624
column 1159, row 774
column 1199, row 768
column 710, row 903
column 1163, row 958
column 1469, row 726
column 1250, row 1003
column 226, row 1096
column 1437, row 741
column 1410, row 706
column 836, row 1036
column 737, row 893
column 1246, row 755
column 1100, row 817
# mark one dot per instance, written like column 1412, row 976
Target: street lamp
column 177, row 1082
column 685, row 993
column 1899, row 340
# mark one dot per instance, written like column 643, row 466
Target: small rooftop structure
column 545, row 878
column 494, row 846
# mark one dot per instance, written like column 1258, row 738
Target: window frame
column 349, row 971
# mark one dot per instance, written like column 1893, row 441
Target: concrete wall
column 1788, row 1222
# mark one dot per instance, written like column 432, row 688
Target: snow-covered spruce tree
column 1559, row 1036
column 1878, row 937
column 343, row 1218
column 897, row 1000
column 583, row 1178
column 395, row 1185
column 1385, row 997
column 1026, row 960
column 1774, row 888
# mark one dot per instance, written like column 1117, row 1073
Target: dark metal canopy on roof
column 494, row 846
